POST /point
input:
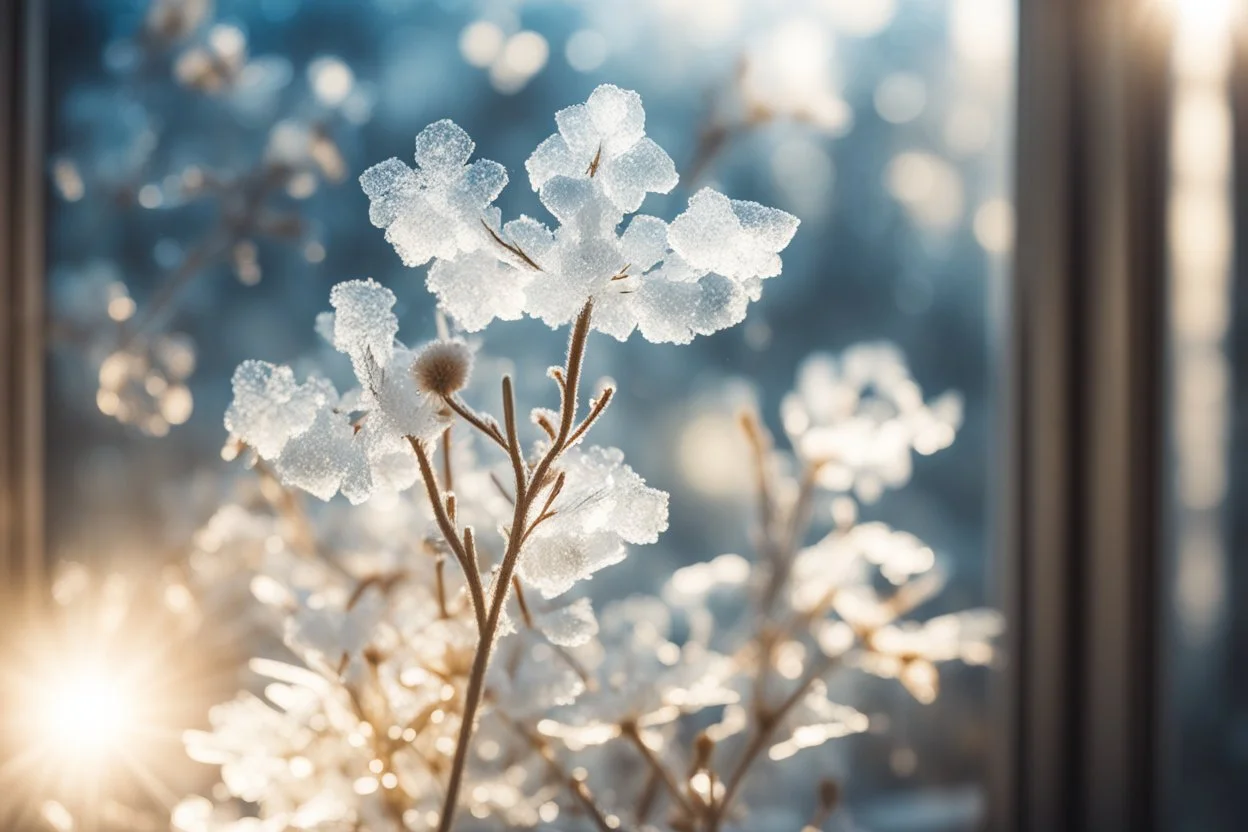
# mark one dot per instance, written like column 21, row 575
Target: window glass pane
column 203, row 165
column 1205, row 693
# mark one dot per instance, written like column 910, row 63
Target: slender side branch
column 665, row 775
column 599, row 406
column 767, row 725
column 490, row 430
column 447, row 527
column 576, row 785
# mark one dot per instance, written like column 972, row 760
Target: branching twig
column 631, row 731
column 471, row 573
column 527, row 487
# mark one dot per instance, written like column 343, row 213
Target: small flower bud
column 442, row 367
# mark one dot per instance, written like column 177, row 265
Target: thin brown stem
column 514, row 249
column 490, row 430
column 447, row 527
column 512, row 445
column 599, row 405
column 576, row 785
column 525, row 615
column 526, row 489
column 770, row 719
column 631, row 731
column 448, row 471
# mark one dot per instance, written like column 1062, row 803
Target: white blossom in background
column 861, row 415
column 671, row 283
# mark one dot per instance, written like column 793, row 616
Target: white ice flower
column 270, row 406
column 603, row 505
column 731, row 237
column 696, row 277
column 860, row 416
column 436, row 209
column 605, row 138
column 356, row 443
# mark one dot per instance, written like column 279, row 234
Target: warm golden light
column 87, row 710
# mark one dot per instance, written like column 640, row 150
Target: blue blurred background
column 900, row 178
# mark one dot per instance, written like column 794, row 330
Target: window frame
column 1082, row 456
column 23, row 75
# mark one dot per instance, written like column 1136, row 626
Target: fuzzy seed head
column 442, row 368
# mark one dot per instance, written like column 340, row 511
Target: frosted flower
column 860, row 416
column 641, row 676
column 438, row 208
column 671, row 284
column 308, row 431
column 603, row 505
column 814, row 721
column 731, row 237
column 605, row 138
column 269, row 406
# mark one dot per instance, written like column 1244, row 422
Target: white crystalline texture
column 605, row 138
column 603, row 505
column 270, row 407
column 477, row 288
column 319, row 459
column 569, row 626
column 731, row 237
column 364, row 321
column 436, row 209
column 355, row 444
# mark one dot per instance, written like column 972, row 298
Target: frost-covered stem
column 527, row 488
column 664, row 774
column 769, row 720
column 472, row 574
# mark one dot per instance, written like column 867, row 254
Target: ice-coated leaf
column 643, row 243
column 619, row 120
column 730, row 237
column 674, row 312
column 603, row 504
column 603, row 140
column 555, row 563
column 270, row 407
column 318, row 459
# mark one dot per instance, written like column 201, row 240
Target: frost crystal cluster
column 443, row 667
column 670, row 282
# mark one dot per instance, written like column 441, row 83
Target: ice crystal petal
column 364, row 322
column 569, row 626
column 674, row 312
column 617, row 116
column 477, row 288
column 437, row 209
column 730, row 237
column 644, row 168
column 442, row 149
column 270, row 407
